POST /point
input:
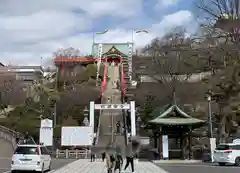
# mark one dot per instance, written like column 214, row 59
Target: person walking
column 92, row 157
column 103, row 156
column 118, row 127
column 118, row 162
column 129, row 157
column 110, row 163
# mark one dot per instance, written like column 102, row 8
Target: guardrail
column 10, row 135
column 98, row 128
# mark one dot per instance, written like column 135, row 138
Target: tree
column 172, row 63
column 80, row 88
column 224, row 31
column 9, row 89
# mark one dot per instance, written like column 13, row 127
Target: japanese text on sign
column 112, row 106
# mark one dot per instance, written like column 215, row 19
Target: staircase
column 109, row 118
column 8, row 141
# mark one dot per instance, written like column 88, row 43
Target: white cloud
column 31, row 30
column 166, row 3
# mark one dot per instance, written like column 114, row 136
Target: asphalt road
column 198, row 168
column 56, row 164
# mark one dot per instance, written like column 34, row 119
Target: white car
column 228, row 153
column 31, row 158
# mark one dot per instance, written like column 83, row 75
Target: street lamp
column 209, row 99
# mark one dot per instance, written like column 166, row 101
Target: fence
column 74, row 154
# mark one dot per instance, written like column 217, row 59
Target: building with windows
column 27, row 74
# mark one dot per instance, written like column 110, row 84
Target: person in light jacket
column 110, row 163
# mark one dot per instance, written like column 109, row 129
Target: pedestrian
column 103, row 156
column 118, row 126
column 129, row 157
column 92, row 157
column 118, row 162
column 110, row 163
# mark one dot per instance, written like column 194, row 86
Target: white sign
column 212, row 147
column 46, row 132
column 46, row 123
column 46, row 136
column 130, row 49
column 111, row 106
column 165, row 146
column 77, row 136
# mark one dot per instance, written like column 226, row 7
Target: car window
column 236, row 147
column 224, row 147
column 27, row 150
column 44, row 151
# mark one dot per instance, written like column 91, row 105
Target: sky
column 30, row 30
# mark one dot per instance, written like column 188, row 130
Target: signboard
column 77, row 136
column 130, row 49
column 46, row 123
column 212, row 147
column 46, row 132
column 46, row 136
column 111, row 106
column 165, row 146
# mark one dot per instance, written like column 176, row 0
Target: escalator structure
column 108, row 135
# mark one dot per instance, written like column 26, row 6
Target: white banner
column 165, row 146
column 212, row 147
column 111, row 106
column 77, row 136
column 46, row 136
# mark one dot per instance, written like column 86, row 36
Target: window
column 44, row 151
column 27, row 150
column 224, row 147
column 236, row 147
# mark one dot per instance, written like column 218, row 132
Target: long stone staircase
column 109, row 118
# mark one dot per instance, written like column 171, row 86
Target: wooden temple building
column 178, row 126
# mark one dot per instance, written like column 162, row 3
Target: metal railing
column 73, row 154
column 10, row 135
column 98, row 128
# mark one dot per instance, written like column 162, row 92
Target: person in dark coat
column 103, row 156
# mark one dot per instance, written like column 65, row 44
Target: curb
column 176, row 161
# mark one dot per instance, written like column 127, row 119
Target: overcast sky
column 30, row 29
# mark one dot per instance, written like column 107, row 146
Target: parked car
column 228, row 153
column 31, row 158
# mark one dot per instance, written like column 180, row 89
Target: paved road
column 56, row 164
column 198, row 168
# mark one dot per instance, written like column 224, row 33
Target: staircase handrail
column 11, row 132
column 98, row 129
column 103, row 89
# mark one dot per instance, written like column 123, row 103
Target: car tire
column 237, row 161
column 222, row 164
